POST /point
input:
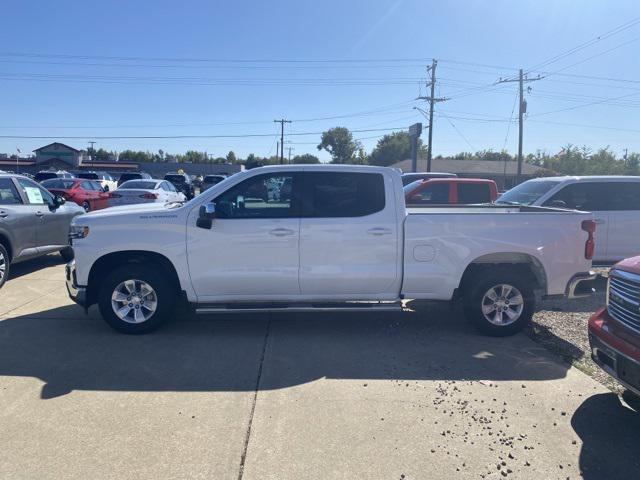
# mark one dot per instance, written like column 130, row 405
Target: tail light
column 149, row 196
column 589, row 226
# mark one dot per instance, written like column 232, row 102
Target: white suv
column 614, row 201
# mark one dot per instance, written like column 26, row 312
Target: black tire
column 67, row 254
column 165, row 294
column 474, row 298
column 4, row 262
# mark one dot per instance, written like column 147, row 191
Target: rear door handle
column 281, row 232
column 3, row 214
column 39, row 214
column 379, row 231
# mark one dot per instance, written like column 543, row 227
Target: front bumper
column 581, row 285
column 77, row 293
column 612, row 353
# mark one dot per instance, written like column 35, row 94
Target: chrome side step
column 298, row 307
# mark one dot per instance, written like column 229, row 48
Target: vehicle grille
column 623, row 301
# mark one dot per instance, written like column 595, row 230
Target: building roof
column 56, row 143
column 476, row 167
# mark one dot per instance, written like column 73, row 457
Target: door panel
column 349, row 240
column 251, row 251
column 623, row 234
column 16, row 218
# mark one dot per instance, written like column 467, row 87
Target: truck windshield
column 526, row 193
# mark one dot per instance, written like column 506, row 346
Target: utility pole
column 432, row 100
column 522, row 78
column 290, row 148
column 92, row 144
column 278, row 148
column 282, row 122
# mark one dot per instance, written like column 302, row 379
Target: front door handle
column 3, row 214
column 379, row 231
column 39, row 214
column 281, row 232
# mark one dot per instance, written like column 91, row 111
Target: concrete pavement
column 390, row 396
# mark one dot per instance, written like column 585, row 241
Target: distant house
column 503, row 173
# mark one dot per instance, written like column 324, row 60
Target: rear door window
column 622, row 195
column 336, row 194
column 473, row 193
column 8, row 193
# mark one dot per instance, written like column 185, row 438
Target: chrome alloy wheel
column 3, row 266
column 502, row 305
column 134, row 301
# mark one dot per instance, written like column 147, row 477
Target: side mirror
column 558, row 204
column 206, row 215
column 58, row 201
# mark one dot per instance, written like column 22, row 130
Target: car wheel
column 136, row 299
column 4, row 265
column 499, row 303
column 67, row 254
column 86, row 206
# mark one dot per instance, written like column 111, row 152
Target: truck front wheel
column 136, row 299
column 499, row 303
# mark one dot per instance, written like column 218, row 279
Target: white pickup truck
column 324, row 237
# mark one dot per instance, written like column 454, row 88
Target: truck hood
column 136, row 209
column 631, row 265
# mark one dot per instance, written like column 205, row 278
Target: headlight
column 78, row 231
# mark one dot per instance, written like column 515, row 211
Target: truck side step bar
column 299, row 307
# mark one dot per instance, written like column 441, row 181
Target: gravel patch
column 560, row 325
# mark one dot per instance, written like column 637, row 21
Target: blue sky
column 142, row 68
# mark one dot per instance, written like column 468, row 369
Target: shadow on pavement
column 609, row 433
column 29, row 266
column 69, row 351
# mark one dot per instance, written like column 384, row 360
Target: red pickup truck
column 614, row 330
column 444, row 191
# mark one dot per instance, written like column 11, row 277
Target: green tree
column 393, row 148
column 231, row 157
column 305, row 158
column 339, row 142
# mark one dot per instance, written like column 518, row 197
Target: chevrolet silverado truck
column 307, row 238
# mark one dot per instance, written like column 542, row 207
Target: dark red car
column 87, row 193
column 614, row 330
column 448, row 191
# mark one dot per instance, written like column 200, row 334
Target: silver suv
column 32, row 222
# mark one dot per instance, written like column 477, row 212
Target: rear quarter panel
column 440, row 245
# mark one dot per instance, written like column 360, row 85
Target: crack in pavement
column 247, row 436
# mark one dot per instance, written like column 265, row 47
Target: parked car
column 408, row 178
column 47, row 174
column 210, row 180
column 182, row 182
column 32, row 222
column 342, row 240
column 126, row 176
column 614, row 330
column 88, row 194
column 614, row 200
column 145, row 191
column 105, row 179
column 442, row 191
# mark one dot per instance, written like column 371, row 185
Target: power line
column 585, row 104
column 151, row 137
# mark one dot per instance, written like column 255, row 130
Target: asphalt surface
column 412, row 395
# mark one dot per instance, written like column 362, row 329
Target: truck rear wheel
column 499, row 303
column 136, row 299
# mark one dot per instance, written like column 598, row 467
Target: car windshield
column 139, row 185
column 90, row 176
column 58, row 183
column 175, row 178
column 527, row 193
column 412, row 186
